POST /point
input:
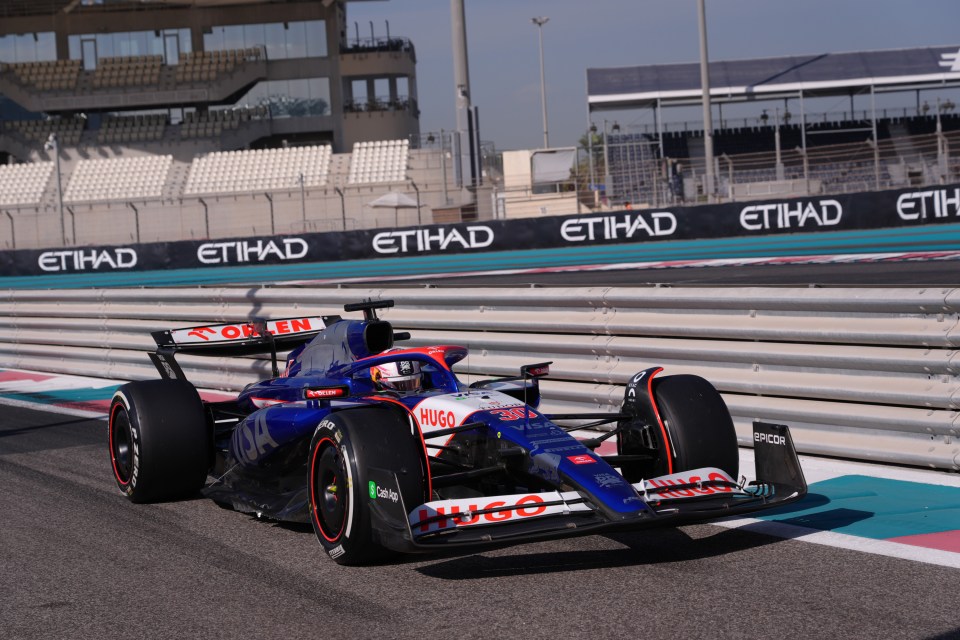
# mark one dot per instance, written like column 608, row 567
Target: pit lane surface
column 78, row 560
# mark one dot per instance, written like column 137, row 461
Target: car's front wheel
column 346, row 446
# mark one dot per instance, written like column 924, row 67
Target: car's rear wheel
column 158, row 439
column 343, row 489
column 698, row 431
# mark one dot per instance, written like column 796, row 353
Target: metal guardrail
column 868, row 374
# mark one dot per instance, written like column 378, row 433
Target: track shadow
column 16, row 431
column 651, row 547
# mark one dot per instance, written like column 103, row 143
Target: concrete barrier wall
column 868, row 374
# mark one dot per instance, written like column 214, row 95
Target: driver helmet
column 402, row 375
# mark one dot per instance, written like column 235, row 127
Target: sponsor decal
column 436, row 418
column 935, row 203
column 250, row 441
column 770, row 438
column 135, row 436
column 379, row 492
column 619, row 227
column 678, row 479
column 88, row 259
column 791, row 215
column 246, row 330
column 337, row 551
column 546, row 465
column 330, row 392
column 634, row 381
column 513, row 414
column 439, row 239
column 241, row 251
column 466, row 513
column 950, row 60
column 581, row 459
column 607, row 480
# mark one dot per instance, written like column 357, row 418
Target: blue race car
column 385, row 450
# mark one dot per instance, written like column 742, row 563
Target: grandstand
column 215, row 117
column 164, row 120
column 798, row 154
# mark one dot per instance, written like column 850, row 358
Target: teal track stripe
column 940, row 237
column 876, row 508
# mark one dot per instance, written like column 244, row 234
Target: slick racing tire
column 698, row 424
column 160, row 446
column 343, row 494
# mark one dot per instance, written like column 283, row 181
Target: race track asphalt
column 78, row 561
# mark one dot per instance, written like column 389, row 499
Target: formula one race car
column 385, row 450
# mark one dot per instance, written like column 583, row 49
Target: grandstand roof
column 822, row 74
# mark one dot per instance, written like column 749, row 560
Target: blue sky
column 504, row 58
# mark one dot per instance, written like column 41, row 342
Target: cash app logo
column 372, row 486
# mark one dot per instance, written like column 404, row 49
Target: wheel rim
column 121, row 445
column 330, row 492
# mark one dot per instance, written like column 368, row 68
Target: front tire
column 699, row 425
column 697, row 431
column 158, row 440
column 344, row 447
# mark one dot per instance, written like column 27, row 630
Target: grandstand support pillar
column 136, row 220
column 730, row 193
column 876, row 162
column 73, row 224
column 591, row 181
column 707, row 109
column 303, row 201
column 803, row 122
column 806, row 170
column 206, row 217
column 776, row 143
column 658, row 116
column 343, row 207
column 53, row 144
column 443, row 166
column 273, row 228
column 417, row 189
column 13, row 230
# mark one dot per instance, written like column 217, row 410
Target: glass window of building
column 170, row 44
column 28, row 47
column 282, row 40
column 290, row 98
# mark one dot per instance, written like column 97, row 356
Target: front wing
column 691, row 496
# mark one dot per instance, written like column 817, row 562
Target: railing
column 869, row 374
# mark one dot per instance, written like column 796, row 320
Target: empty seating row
column 68, row 130
column 47, row 75
column 140, row 128
column 23, row 184
column 259, row 170
column 125, row 71
column 203, row 66
column 380, row 161
column 118, row 179
column 199, row 124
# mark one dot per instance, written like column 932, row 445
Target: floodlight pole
column 707, row 111
column 540, row 21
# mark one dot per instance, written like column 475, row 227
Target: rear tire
column 345, row 445
column 158, row 439
column 698, row 423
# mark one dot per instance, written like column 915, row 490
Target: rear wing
column 234, row 339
